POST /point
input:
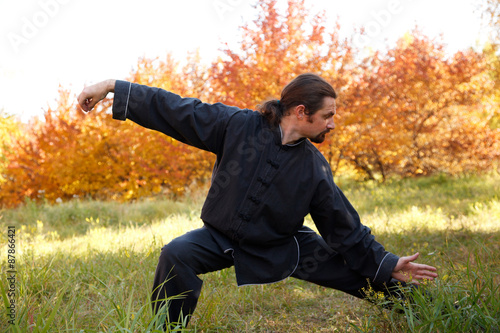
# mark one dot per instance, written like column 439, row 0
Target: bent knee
column 177, row 250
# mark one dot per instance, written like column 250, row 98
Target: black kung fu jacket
column 261, row 190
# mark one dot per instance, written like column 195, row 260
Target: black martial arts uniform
column 260, row 193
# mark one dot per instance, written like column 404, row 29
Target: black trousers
column 196, row 252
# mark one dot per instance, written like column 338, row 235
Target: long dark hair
column 306, row 89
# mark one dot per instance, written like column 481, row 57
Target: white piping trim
column 375, row 278
column 128, row 97
column 288, row 144
column 286, row 277
column 230, row 249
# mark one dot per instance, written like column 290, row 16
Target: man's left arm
column 340, row 226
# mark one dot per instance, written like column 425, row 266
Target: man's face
column 320, row 123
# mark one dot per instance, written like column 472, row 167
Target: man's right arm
column 187, row 120
column 93, row 94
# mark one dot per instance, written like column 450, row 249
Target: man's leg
column 180, row 262
column 321, row 265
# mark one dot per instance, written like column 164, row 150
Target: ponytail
column 309, row 90
column 272, row 110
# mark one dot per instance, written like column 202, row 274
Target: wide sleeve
column 188, row 120
column 340, row 226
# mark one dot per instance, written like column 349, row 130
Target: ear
column 299, row 111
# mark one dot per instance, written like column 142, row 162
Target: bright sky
column 74, row 43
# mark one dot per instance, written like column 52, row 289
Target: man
column 267, row 177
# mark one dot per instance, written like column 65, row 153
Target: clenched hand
column 93, row 94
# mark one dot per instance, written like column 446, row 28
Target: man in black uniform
column 267, row 177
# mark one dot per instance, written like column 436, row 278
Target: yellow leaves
column 410, row 111
column 406, row 40
column 402, row 112
column 93, row 156
column 9, row 132
column 128, row 195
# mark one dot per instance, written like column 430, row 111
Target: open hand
column 408, row 271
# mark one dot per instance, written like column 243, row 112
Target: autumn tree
column 411, row 110
column 10, row 130
column 416, row 111
column 490, row 10
column 274, row 49
column 187, row 166
column 71, row 154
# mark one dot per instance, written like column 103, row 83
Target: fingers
column 91, row 95
column 418, row 273
column 82, row 102
column 425, row 275
column 424, row 271
column 414, row 277
column 89, row 104
column 404, row 261
column 407, row 270
column 413, row 257
column 86, row 101
column 428, row 268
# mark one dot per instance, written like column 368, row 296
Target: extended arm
column 340, row 226
column 188, row 120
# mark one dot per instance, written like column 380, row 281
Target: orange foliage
column 410, row 111
column 274, row 49
column 10, row 130
column 71, row 154
column 414, row 111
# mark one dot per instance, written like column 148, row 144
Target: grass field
column 88, row 266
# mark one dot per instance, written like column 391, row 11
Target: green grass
column 88, row 266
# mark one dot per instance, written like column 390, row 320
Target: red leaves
column 412, row 110
column 419, row 112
